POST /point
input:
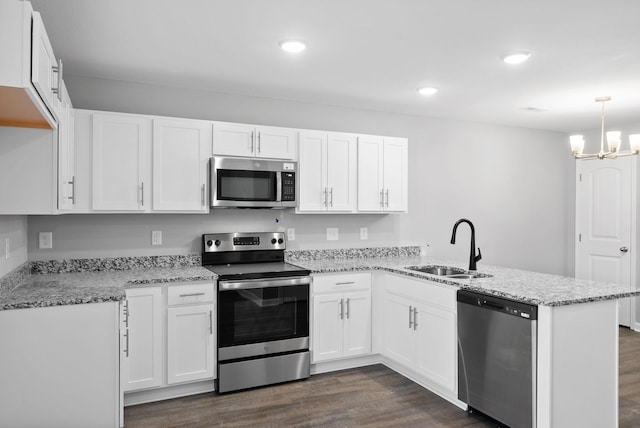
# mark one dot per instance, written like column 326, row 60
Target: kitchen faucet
column 472, row 255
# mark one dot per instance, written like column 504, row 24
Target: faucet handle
column 479, row 256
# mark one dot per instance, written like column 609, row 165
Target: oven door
column 261, row 317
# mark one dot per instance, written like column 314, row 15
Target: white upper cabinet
column 23, row 102
column 66, row 154
column 181, row 150
column 237, row 139
column 382, row 174
column 120, row 162
column 327, row 172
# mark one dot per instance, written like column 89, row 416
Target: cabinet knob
column 624, row 249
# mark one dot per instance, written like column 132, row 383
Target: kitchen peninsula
column 577, row 324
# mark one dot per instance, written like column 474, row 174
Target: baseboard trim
column 168, row 392
column 345, row 364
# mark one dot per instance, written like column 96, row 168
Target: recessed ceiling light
column 516, row 58
column 292, row 46
column 427, row 91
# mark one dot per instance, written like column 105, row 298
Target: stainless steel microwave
column 252, row 183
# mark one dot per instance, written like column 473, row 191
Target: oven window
column 263, row 314
column 242, row 185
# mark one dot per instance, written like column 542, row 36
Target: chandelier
column 613, row 142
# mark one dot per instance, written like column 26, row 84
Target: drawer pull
column 345, row 283
column 191, row 294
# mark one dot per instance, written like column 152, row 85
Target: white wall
column 513, row 183
column 13, row 228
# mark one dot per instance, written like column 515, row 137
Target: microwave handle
column 279, row 186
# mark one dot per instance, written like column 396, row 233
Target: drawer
column 425, row 291
column 341, row 282
column 185, row 294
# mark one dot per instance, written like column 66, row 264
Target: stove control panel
column 242, row 241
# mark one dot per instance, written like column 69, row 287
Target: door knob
column 624, row 249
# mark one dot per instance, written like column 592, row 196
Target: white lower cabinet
column 169, row 335
column 341, row 316
column 420, row 329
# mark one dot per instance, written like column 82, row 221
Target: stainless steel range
column 263, row 310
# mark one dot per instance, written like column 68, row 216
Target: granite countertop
column 56, row 289
column 529, row 287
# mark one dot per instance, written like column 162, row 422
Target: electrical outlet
column 45, row 240
column 6, row 248
column 291, row 234
column 364, row 233
column 156, row 237
column 332, row 233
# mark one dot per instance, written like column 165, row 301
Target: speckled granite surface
column 115, row 263
column 531, row 287
column 351, row 253
column 92, row 287
column 10, row 281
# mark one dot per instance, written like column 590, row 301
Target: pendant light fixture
column 613, row 142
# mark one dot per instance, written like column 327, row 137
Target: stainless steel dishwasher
column 497, row 357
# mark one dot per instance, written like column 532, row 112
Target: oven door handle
column 262, row 283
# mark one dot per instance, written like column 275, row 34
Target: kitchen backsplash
column 351, row 253
column 114, row 263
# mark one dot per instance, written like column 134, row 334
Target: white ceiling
column 372, row 54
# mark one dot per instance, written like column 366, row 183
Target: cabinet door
column 190, row 343
column 180, row 156
column 395, row 174
column 277, row 143
column 66, row 155
column 43, row 61
column 233, row 139
column 436, row 345
column 120, row 158
column 341, row 172
column 312, row 171
column 370, row 183
column 142, row 363
column 399, row 341
column 357, row 323
column 327, row 327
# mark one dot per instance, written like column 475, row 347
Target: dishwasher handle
column 498, row 304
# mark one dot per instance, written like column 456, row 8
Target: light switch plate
column 156, row 237
column 291, row 234
column 45, row 240
column 364, row 233
column 332, row 233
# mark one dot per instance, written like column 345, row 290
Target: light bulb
column 293, row 46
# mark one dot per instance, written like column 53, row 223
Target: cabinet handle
column 125, row 309
column 73, row 190
column 387, row 201
column 345, row 283
column 331, row 197
column 191, row 294
column 126, row 351
column 142, row 194
column 259, row 138
column 415, row 318
column 202, row 194
column 410, row 317
column 251, row 150
column 210, row 322
column 348, row 309
column 341, row 309
column 382, row 198
column 324, row 192
column 58, row 70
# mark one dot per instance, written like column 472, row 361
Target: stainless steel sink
column 448, row 271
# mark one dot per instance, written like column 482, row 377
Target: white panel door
column 274, row 142
column 312, row 171
column 370, row 170
column 341, row 175
column 233, row 139
column 603, row 223
column 180, row 156
column 357, row 323
column 395, row 174
column 436, row 345
column 327, row 327
column 190, row 343
column 399, row 342
column 142, row 364
column 120, row 162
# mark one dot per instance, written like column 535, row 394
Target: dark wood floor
column 373, row 396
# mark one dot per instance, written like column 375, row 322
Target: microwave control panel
column 288, row 186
